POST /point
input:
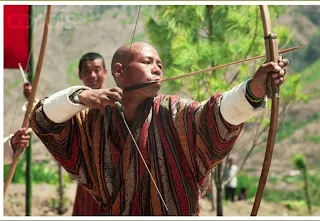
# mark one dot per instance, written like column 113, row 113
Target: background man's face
column 93, row 73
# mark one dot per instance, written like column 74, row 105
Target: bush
column 41, row 173
column 248, row 182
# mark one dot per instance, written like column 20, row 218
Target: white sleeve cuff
column 59, row 108
column 7, row 150
column 235, row 108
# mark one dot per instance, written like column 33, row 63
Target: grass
column 311, row 74
column 288, row 197
column 289, row 127
column 313, row 138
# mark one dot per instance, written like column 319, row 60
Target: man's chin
column 154, row 93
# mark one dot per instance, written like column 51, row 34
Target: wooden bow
column 273, row 92
column 19, row 151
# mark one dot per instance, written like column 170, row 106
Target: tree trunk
column 219, row 190
column 306, row 188
column 212, row 193
column 61, row 209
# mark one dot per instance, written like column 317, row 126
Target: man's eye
column 147, row 62
column 160, row 66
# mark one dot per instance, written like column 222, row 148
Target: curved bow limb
column 19, row 151
column 273, row 92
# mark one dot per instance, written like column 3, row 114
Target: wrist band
column 74, row 97
column 249, row 95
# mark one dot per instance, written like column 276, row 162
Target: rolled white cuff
column 59, row 108
column 7, row 150
column 235, row 108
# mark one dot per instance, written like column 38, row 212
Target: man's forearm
column 58, row 107
column 235, row 108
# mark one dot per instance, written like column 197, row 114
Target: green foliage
column 72, row 73
column 295, row 196
column 41, row 171
column 248, row 182
column 276, row 195
column 293, row 90
column 311, row 74
column 306, row 56
column 313, row 138
column 273, row 179
column 289, row 127
column 59, row 205
column 293, row 179
column 299, row 161
column 19, row 175
column 295, row 204
column 291, row 197
column 191, row 38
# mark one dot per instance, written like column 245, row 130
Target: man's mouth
column 142, row 85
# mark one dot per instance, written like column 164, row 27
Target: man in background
column 93, row 73
column 231, row 178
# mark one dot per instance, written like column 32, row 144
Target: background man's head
column 92, row 70
column 137, row 63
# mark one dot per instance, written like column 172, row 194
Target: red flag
column 16, row 35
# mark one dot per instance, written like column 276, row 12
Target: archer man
column 180, row 140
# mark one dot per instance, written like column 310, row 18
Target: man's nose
column 156, row 70
column 92, row 74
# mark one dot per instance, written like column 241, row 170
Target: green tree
column 300, row 162
column 191, row 38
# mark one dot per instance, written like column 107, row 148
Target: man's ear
column 118, row 70
column 79, row 74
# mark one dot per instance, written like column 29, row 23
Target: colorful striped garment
column 85, row 204
column 181, row 141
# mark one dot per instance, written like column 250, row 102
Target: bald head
column 124, row 54
column 135, row 64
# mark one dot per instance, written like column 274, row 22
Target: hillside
column 79, row 29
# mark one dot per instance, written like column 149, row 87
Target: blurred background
column 188, row 38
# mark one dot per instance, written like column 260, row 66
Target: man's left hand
column 258, row 85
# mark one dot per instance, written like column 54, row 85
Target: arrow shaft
column 225, row 65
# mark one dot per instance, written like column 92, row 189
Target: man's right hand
column 99, row 98
column 21, row 138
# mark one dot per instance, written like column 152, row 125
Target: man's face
column 145, row 65
column 93, row 73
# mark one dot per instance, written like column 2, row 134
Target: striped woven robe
column 180, row 140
